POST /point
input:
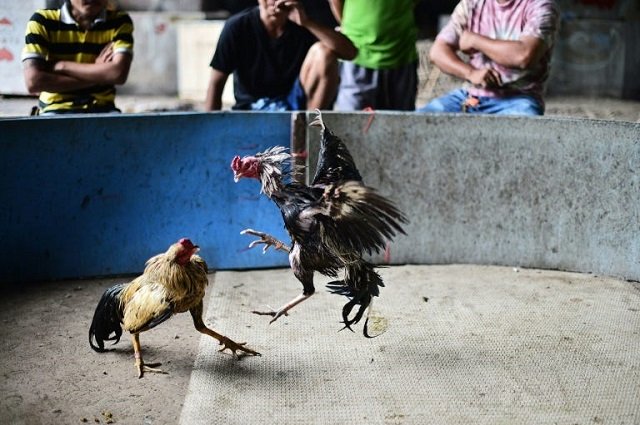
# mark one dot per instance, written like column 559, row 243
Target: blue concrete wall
column 99, row 195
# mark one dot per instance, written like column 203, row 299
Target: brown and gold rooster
column 332, row 223
column 172, row 282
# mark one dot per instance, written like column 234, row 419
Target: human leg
column 450, row 102
column 514, row 105
column 397, row 88
column 319, row 77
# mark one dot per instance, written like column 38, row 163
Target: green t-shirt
column 384, row 31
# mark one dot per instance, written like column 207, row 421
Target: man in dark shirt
column 280, row 59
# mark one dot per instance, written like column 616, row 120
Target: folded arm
column 113, row 72
column 39, row 76
column 522, row 53
column 444, row 56
column 109, row 69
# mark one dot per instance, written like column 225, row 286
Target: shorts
column 380, row 89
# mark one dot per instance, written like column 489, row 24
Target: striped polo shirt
column 53, row 35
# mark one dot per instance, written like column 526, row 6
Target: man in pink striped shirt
column 509, row 43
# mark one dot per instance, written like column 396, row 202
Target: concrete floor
column 461, row 344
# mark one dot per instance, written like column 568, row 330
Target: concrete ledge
column 94, row 196
column 535, row 192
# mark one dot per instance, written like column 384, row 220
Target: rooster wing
column 354, row 218
column 335, row 162
column 146, row 307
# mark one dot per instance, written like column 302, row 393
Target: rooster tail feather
column 107, row 319
column 360, row 285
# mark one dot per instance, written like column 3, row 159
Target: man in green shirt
column 384, row 73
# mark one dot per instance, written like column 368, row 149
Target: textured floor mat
column 463, row 344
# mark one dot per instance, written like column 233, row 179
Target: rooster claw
column 233, row 346
column 267, row 240
column 149, row 367
column 275, row 314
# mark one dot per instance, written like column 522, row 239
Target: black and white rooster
column 332, row 223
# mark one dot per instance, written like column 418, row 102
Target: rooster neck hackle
column 181, row 285
column 179, row 279
column 274, row 169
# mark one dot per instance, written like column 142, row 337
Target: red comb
column 235, row 163
column 186, row 243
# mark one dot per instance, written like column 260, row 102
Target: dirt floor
column 50, row 375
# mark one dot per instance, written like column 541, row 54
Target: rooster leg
column 227, row 343
column 304, row 276
column 283, row 311
column 137, row 353
column 267, row 240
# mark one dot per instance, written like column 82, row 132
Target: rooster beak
column 236, row 177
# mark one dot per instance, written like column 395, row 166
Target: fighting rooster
column 172, row 282
column 332, row 223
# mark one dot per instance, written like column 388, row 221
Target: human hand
column 466, row 42
column 485, row 77
column 57, row 66
column 106, row 55
column 294, row 10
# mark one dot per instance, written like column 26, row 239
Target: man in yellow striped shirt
column 76, row 55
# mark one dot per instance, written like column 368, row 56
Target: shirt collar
column 67, row 18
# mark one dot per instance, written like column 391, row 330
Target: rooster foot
column 273, row 313
column 150, row 367
column 228, row 344
column 267, row 240
column 282, row 311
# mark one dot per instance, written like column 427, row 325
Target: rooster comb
column 186, row 243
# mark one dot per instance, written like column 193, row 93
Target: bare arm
column 217, row 81
column 108, row 69
column 336, row 41
column 510, row 53
column 62, row 76
column 336, row 9
column 339, row 43
column 39, row 77
column 444, row 56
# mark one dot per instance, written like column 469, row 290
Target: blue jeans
column 512, row 105
column 295, row 100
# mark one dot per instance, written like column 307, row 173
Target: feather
column 335, row 162
column 107, row 318
column 332, row 223
column 164, row 288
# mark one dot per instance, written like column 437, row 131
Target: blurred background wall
column 596, row 52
